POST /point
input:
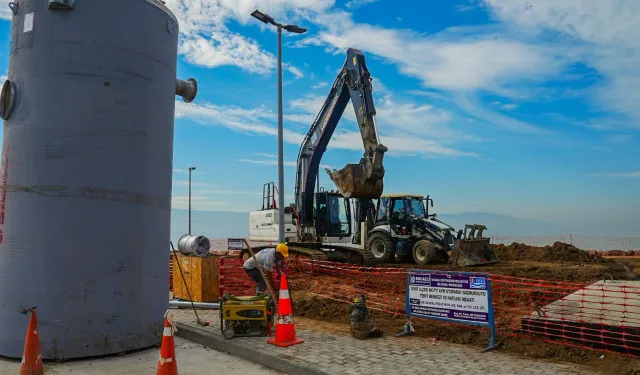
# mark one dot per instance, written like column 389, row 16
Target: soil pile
column 620, row 253
column 328, row 310
column 558, row 252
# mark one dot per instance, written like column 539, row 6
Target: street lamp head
column 263, row 17
column 192, row 168
column 294, row 29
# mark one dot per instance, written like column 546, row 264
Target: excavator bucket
column 471, row 249
column 363, row 180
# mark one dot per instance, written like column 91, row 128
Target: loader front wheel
column 425, row 252
column 382, row 247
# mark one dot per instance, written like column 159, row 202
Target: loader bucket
column 471, row 249
column 363, row 180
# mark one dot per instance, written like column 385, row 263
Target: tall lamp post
column 263, row 17
column 190, row 169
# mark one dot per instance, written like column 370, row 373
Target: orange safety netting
column 604, row 315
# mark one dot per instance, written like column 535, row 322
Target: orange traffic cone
column 32, row 357
column 167, row 364
column 285, row 329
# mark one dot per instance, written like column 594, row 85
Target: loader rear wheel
column 382, row 247
column 425, row 252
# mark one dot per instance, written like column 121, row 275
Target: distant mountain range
column 216, row 224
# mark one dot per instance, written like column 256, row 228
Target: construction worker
column 267, row 258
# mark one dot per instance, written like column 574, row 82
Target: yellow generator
column 246, row 316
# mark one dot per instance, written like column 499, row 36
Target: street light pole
column 263, row 17
column 190, row 169
column 280, row 144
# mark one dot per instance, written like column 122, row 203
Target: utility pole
column 190, row 169
column 263, row 17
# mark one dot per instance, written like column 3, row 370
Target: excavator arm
column 363, row 180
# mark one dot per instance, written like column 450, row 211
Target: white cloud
column 414, row 134
column 320, row 85
column 354, row 4
column 617, row 174
column 221, row 47
column 505, row 106
column 471, row 5
column 603, row 33
column 532, row 45
column 265, row 155
column 470, row 104
column 455, row 59
column 207, row 41
column 6, row 13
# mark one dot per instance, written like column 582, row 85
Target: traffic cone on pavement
column 32, row 357
column 167, row 364
column 285, row 329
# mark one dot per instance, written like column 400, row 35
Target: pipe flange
column 7, row 99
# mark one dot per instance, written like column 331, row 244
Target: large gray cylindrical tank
column 85, row 192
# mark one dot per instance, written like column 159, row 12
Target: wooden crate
column 202, row 277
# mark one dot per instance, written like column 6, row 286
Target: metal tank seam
column 84, row 192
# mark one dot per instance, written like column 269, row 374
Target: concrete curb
column 282, row 362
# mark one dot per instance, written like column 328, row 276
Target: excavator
column 321, row 224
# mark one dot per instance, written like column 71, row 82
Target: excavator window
column 382, row 209
column 416, row 207
column 398, row 206
column 333, row 216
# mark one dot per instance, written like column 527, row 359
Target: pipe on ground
column 197, row 305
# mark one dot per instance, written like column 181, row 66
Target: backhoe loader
column 403, row 229
column 321, row 225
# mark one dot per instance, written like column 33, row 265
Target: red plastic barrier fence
column 604, row 315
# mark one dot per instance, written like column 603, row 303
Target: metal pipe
column 197, row 305
column 187, row 89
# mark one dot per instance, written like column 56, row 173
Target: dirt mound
column 558, row 252
column 328, row 310
column 620, row 253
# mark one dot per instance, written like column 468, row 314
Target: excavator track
column 296, row 251
column 310, row 253
column 366, row 258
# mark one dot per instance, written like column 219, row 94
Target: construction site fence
column 597, row 243
column 603, row 316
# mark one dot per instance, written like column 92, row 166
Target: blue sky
column 520, row 107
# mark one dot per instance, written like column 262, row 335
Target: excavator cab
column 333, row 213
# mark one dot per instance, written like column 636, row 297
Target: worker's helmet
column 283, row 249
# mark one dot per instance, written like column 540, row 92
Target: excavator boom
column 363, row 180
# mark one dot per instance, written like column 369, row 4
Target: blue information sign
column 460, row 297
